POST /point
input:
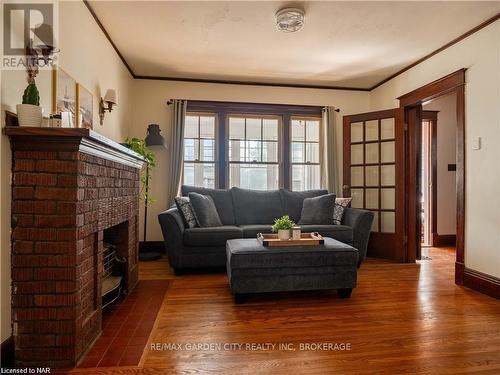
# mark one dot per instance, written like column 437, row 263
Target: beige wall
column 86, row 55
column 446, row 154
column 149, row 107
column 480, row 54
column 89, row 58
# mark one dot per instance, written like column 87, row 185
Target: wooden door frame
column 432, row 117
column 452, row 83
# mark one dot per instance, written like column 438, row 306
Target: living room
column 329, row 99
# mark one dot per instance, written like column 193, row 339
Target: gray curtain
column 176, row 149
column 329, row 153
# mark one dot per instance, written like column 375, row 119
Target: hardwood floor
column 402, row 318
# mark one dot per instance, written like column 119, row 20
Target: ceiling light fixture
column 290, row 20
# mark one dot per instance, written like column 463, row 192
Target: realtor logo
column 28, row 33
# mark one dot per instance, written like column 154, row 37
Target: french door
column 373, row 175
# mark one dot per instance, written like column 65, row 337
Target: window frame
column 305, row 142
column 279, row 142
column 216, row 145
column 222, row 111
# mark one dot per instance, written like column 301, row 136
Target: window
column 199, row 150
column 305, row 153
column 252, row 146
column 253, row 152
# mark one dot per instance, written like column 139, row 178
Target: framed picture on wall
column 64, row 97
column 85, row 107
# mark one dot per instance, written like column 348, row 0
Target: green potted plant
column 283, row 226
column 139, row 145
column 30, row 113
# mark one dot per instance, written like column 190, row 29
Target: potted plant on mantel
column 30, row 113
column 283, row 226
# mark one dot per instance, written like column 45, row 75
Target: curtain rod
column 171, row 101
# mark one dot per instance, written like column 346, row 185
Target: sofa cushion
column 186, row 210
column 214, row 236
column 222, row 199
column 292, row 201
column 204, row 210
column 251, row 230
column 318, row 210
column 341, row 233
column 255, row 206
column 340, row 205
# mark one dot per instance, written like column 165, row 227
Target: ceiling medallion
column 290, row 20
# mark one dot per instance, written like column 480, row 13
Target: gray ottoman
column 253, row 268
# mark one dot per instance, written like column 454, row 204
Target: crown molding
column 106, row 34
column 250, row 83
column 289, row 85
column 440, row 49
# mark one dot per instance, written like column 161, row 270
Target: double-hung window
column 305, row 152
column 252, row 146
column 254, row 152
column 199, row 150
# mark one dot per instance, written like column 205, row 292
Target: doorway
column 415, row 103
column 428, row 178
column 382, row 158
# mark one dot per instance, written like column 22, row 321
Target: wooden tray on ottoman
column 306, row 239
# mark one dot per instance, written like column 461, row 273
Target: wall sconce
column 107, row 103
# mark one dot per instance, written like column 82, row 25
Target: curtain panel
column 176, row 149
column 329, row 153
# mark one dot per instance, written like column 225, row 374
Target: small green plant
column 31, row 94
column 283, row 223
column 139, row 145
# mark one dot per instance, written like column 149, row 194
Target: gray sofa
column 244, row 213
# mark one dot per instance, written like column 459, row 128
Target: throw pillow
column 340, row 205
column 205, row 211
column 186, row 210
column 318, row 210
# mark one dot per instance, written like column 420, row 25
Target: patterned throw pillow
column 186, row 209
column 340, row 206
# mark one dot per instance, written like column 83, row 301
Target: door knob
column 345, row 187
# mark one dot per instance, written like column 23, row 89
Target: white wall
column 480, row 54
column 86, row 55
column 446, row 154
column 149, row 107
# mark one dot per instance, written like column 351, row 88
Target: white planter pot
column 284, row 234
column 29, row 115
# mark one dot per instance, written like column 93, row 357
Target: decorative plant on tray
column 283, row 226
column 139, row 145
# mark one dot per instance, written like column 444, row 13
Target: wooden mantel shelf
column 71, row 139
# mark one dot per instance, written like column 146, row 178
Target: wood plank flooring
column 402, row 318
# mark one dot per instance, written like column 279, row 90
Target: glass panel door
column 373, row 169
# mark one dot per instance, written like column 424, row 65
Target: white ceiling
column 351, row 44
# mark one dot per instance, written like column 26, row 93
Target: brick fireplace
column 68, row 187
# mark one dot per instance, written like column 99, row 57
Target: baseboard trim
column 481, row 282
column 444, row 240
column 7, row 353
column 146, row 246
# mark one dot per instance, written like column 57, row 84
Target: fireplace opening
column 114, row 262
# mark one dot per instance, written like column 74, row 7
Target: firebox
column 114, row 261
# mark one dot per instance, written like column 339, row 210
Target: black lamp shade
column 153, row 136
